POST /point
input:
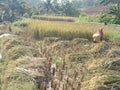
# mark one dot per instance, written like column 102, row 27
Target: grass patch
column 112, row 35
column 86, row 18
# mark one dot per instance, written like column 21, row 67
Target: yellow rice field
column 70, row 30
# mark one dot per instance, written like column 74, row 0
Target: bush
column 87, row 18
column 23, row 22
column 107, row 19
column 117, row 21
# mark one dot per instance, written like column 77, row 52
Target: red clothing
column 100, row 31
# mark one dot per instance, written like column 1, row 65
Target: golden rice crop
column 70, row 30
column 65, row 30
column 54, row 18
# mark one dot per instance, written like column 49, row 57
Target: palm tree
column 48, row 5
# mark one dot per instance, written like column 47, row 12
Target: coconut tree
column 48, row 5
column 51, row 6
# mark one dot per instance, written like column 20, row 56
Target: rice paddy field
column 36, row 46
column 70, row 30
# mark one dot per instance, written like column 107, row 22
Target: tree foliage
column 114, row 10
column 12, row 9
column 85, row 3
column 49, row 7
column 55, row 7
column 69, row 9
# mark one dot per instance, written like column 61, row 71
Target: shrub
column 86, row 18
column 107, row 18
column 23, row 22
column 117, row 21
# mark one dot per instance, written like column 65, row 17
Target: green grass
column 112, row 35
column 86, row 18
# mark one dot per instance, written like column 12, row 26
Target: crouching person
column 98, row 36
